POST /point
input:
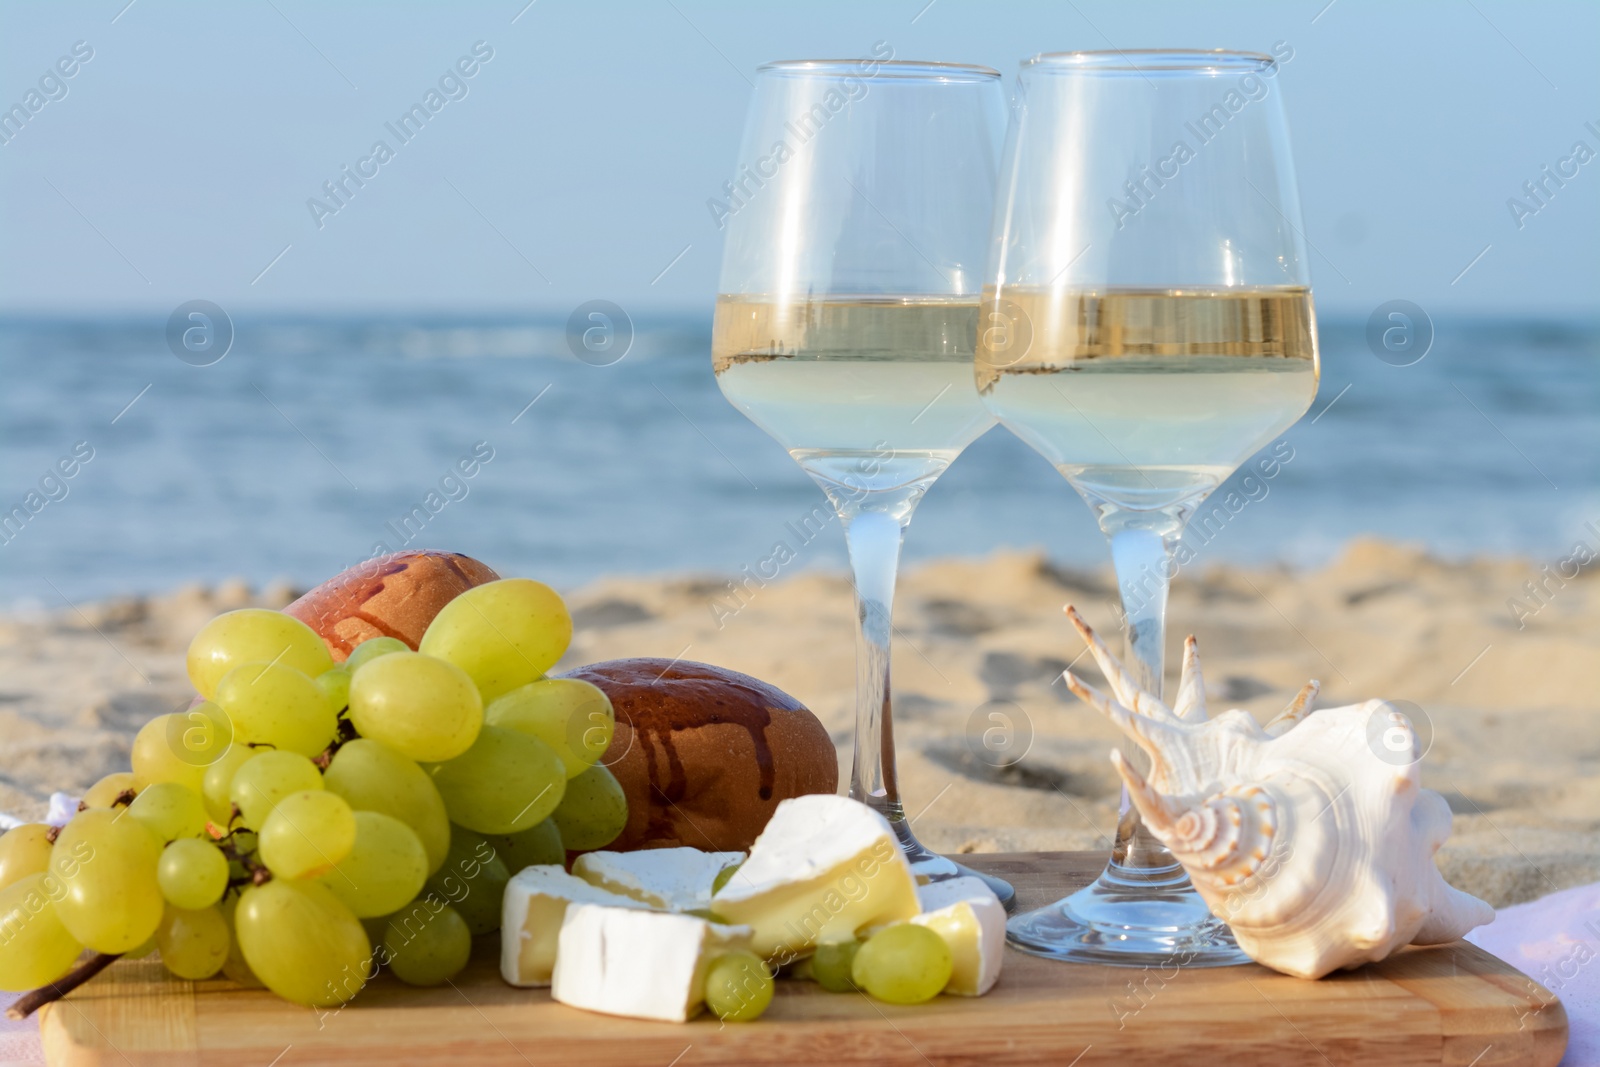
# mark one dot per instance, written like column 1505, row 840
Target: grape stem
column 29, row 1003
column 256, row 872
column 122, row 799
column 347, row 733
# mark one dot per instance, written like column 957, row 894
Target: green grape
column 307, row 834
column 200, row 734
column 236, row 968
column 169, row 811
column 536, row 846
column 193, row 944
column 266, row 778
column 831, row 965
column 35, row 947
column 384, row 870
column 372, row 648
column 107, row 868
column 274, row 704
column 335, row 685
column 245, row 841
column 504, row 634
column 253, row 635
column 422, row 707
column 902, row 964
column 24, row 850
column 472, row 880
column 192, row 873
column 375, row 925
column 156, row 759
column 427, row 944
column 504, row 783
column 143, row 950
column 104, row 793
column 593, row 811
column 374, row 777
column 301, row 943
column 572, row 716
column 738, row 987
column 724, row 876
column 216, row 786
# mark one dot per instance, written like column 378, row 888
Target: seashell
column 1316, row 851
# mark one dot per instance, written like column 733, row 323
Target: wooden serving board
column 1455, row 1005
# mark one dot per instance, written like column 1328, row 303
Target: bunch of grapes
column 303, row 824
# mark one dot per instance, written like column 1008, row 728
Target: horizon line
column 1460, row 310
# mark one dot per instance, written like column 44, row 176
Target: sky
column 575, row 163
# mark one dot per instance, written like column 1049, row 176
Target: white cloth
column 63, row 806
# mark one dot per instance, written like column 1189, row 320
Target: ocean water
column 316, row 442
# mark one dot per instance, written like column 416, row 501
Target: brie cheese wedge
column 535, row 903
column 825, row 868
column 966, row 913
column 645, row 964
column 672, row 879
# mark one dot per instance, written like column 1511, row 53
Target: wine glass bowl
column 848, row 385
column 857, row 229
column 1147, row 325
column 1149, row 399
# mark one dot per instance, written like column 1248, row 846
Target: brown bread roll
column 390, row 596
column 705, row 754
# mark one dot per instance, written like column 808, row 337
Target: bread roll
column 390, row 596
column 705, row 754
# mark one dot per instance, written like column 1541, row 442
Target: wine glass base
column 1129, row 918
column 928, row 864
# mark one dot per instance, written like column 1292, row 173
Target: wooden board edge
column 155, row 1008
column 1529, row 1030
column 155, row 1017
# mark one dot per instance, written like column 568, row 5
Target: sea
column 313, row 443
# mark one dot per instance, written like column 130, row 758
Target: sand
column 1511, row 705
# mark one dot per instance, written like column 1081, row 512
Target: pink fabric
column 19, row 1041
column 1556, row 941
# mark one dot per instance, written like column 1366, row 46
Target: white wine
column 1145, row 398
column 867, row 392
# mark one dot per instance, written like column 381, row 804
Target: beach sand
column 994, row 754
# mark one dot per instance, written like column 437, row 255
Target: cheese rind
column 532, row 911
column 935, row 895
column 673, row 879
column 966, row 913
column 644, row 964
column 825, row 868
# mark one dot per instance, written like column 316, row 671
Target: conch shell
column 1315, row 849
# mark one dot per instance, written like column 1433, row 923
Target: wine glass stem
column 1140, row 555
column 874, row 529
column 1142, row 546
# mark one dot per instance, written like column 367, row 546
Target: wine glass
column 1147, row 326
column 857, row 228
